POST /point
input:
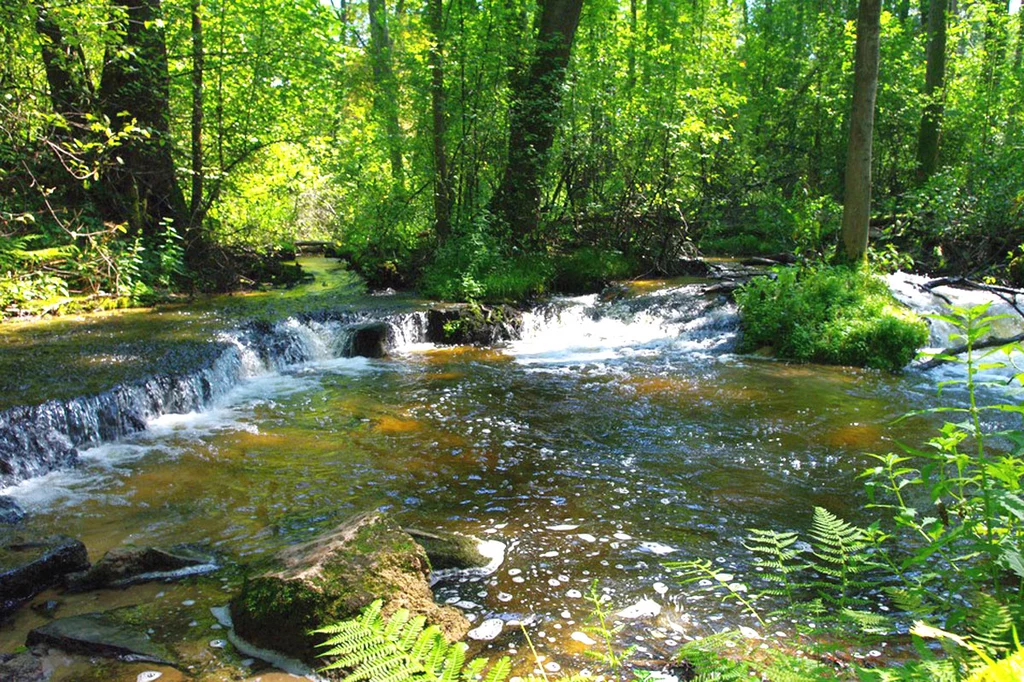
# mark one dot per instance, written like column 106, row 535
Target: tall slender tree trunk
column 442, row 184
column 386, row 93
column 857, row 202
column 934, row 82
column 534, row 117
column 135, row 85
column 196, row 203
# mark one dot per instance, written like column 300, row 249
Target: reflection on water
column 591, row 459
column 612, row 437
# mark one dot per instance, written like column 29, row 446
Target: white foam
column 645, row 608
column 487, row 630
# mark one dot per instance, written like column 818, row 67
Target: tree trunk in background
column 135, row 85
column 385, row 96
column 196, row 199
column 934, row 81
column 857, row 202
column 533, row 117
column 71, row 91
column 442, row 185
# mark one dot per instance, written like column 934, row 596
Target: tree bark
column 857, row 202
column 934, row 82
column 71, row 92
column 135, row 85
column 196, row 199
column 534, row 118
column 442, row 185
column 385, row 95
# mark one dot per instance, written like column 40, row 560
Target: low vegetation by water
column 839, row 316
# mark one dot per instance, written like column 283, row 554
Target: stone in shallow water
column 10, row 511
column 99, row 634
column 125, row 566
column 331, row 578
column 449, row 550
column 28, row 566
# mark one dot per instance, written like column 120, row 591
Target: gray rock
column 126, row 566
column 449, row 550
column 28, row 567
column 23, row 667
column 473, row 325
column 369, row 340
column 10, row 511
column 99, row 634
column 331, row 578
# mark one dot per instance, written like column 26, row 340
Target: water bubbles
column 574, row 594
column 218, row 644
column 149, row 676
column 587, row 537
column 189, row 602
column 504, row 597
column 487, row 630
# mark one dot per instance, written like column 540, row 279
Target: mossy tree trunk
column 534, row 118
column 857, row 202
column 135, row 86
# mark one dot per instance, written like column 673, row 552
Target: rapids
column 609, row 438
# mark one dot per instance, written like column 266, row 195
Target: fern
column 708, row 660
column 840, row 550
column 776, row 554
column 402, row 649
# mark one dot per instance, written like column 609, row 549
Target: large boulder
column 333, row 578
column 99, row 634
column 125, row 566
column 28, row 567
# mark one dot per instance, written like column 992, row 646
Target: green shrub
column 830, row 315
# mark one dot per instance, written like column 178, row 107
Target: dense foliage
column 395, row 131
column 838, row 315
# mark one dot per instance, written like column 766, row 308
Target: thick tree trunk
column 135, row 85
column 857, row 202
column 442, row 185
column 534, row 117
column 934, row 81
column 71, row 92
column 385, row 96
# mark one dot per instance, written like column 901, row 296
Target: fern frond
column 499, row 672
column 401, row 649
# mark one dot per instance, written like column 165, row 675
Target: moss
column 331, row 579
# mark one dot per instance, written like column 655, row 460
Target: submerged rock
column 10, row 511
column 449, row 550
column 368, row 340
column 332, row 578
column 99, row 634
column 474, row 325
column 126, row 566
column 28, row 567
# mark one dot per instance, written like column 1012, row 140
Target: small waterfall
column 584, row 329
column 912, row 292
column 36, row 439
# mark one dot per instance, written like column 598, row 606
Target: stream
column 609, row 438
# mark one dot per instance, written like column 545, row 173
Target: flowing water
column 611, row 438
